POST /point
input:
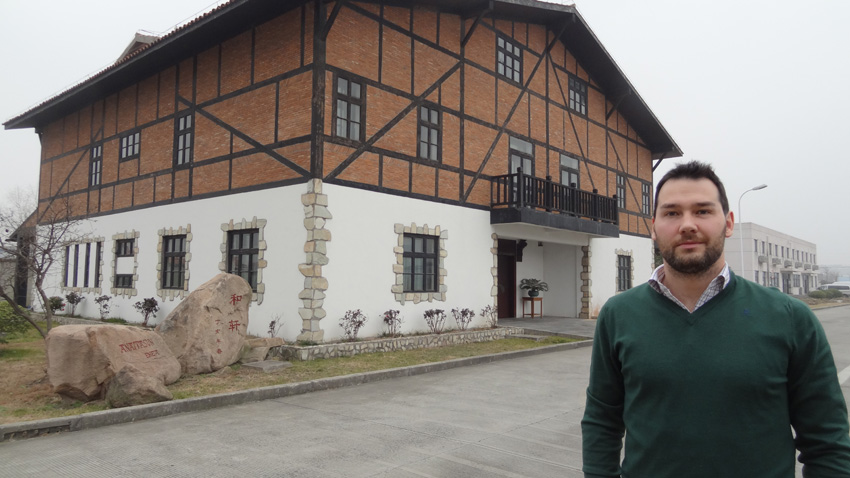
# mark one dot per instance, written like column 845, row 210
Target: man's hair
column 694, row 170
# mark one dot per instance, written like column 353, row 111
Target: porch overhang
column 543, row 219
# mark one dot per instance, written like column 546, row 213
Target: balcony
column 521, row 198
column 807, row 267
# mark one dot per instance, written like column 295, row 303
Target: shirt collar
column 714, row 287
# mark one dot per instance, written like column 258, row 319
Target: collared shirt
column 714, row 287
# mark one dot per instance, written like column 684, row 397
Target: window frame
column 621, row 191
column 238, row 253
column 130, row 145
column 576, row 172
column 173, row 277
column 624, row 272
column 124, row 247
column 123, row 281
column 508, row 61
column 98, row 256
column 96, row 166
column 577, row 95
column 411, row 255
column 349, row 100
column 428, row 126
column 181, row 132
column 646, row 198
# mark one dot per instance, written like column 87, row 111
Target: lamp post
column 760, row 186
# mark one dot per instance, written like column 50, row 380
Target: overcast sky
column 757, row 88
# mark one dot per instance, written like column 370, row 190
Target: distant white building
column 773, row 259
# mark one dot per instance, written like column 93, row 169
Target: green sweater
column 713, row 393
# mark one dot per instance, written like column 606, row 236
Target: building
column 773, row 259
column 350, row 155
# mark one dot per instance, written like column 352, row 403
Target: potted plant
column 533, row 286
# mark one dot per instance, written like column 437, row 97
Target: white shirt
column 714, row 287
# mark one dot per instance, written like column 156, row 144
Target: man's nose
column 688, row 223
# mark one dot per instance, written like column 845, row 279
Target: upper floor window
column 243, row 248
column 569, row 171
column 173, row 261
column 348, row 112
column 96, row 165
column 429, row 133
column 124, row 248
column 421, row 256
column 509, row 58
column 183, row 139
column 621, row 191
column 521, row 156
column 130, row 145
column 646, row 198
column 578, row 95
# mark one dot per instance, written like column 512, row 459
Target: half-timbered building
column 367, row 155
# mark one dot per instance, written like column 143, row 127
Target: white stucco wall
column 558, row 266
column 603, row 263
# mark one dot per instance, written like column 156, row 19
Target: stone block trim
column 132, row 291
column 316, row 217
column 349, row 349
column 172, row 294
column 585, row 283
column 494, row 291
column 398, row 288
column 254, row 223
column 98, row 267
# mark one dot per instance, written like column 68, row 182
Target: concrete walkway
column 554, row 325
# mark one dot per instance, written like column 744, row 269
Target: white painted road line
column 844, row 375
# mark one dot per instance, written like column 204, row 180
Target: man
column 704, row 372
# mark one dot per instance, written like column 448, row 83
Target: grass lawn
column 25, row 392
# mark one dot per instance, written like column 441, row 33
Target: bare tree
column 35, row 237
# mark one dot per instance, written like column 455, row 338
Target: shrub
column 352, row 322
column 148, row 308
column 73, row 298
column 55, row 303
column 463, row 317
column 491, row 315
column 393, row 320
column 275, row 325
column 10, row 323
column 104, row 305
column 817, row 294
column 833, row 294
column 825, row 294
column 435, row 318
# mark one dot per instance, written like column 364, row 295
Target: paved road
column 516, row 418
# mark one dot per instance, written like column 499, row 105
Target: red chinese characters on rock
column 235, row 298
column 234, row 325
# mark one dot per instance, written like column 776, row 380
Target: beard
column 693, row 264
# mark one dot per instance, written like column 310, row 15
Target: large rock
column 131, row 386
column 207, row 330
column 82, row 359
column 256, row 350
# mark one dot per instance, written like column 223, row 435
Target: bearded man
column 706, row 374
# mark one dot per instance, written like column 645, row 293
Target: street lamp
column 760, row 186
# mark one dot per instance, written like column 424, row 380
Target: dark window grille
column 123, row 281
column 243, row 250
column 97, row 256
column 421, row 255
column 67, row 261
column 578, row 95
column 124, row 247
column 621, row 191
column 509, row 58
column 349, row 109
column 183, row 141
column 429, row 133
column 624, row 272
column 173, row 261
column 646, row 201
column 130, row 145
column 569, row 171
column 76, row 262
column 88, row 258
column 96, row 166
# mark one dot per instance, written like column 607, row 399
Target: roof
column 233, row 17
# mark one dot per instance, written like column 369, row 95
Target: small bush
column 275, row 325
column 148, row 308
column 833, row 294
column 435, row 318
column 10, row 324
column 115, row 320
column 463, row 317
column 491, row 315
column 817, row 294
column 352, row 322
column 104, row 305
column 825, row 294
column 55, row 303
column 73, row 298
column 392, row 319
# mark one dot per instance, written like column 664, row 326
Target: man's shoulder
column 769, row 296
column 629, row 298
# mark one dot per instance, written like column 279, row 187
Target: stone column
column 316, row 215
column 585, row 283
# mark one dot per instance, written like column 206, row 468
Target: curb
column 85, row 421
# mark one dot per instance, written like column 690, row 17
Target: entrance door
column 506, row 277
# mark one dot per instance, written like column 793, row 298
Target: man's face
column 690, row 227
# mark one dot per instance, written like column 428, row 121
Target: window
column 349, row 109
column 509, row 57
column 621, row 191
column 123, row 281
column 429, row 133
column 569, row 171
column 624, row 272
column 76, row 262
column 183, row 139
column 756, row 276
column 796, row 280
column 173, row 264
column 646, row 201
column 67, row 264
column 96, row 166
column 130, row 145
column 578, row 95
column 98, row 251
column 522, row 156
column 88, row 257
column 124, row 248
column 243, row 251
column 420, row 263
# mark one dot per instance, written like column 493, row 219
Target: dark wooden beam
column 327, row 28
column 617, row 102
column 485, row 10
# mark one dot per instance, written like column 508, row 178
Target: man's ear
column 730, row 223
column 652, row 229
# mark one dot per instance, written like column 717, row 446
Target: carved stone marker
column 83, row 359
column 207, row 330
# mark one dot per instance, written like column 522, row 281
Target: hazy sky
column 757, row 88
